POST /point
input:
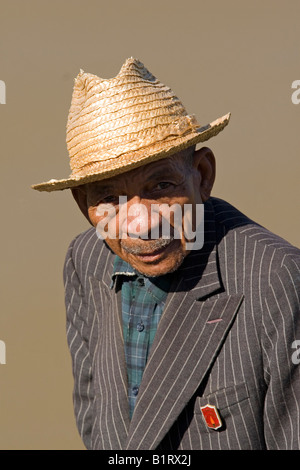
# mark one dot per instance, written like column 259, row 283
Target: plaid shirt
column 143, row 301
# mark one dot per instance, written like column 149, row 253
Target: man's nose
column 138, row 218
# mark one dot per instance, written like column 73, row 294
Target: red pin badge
column 211, row 416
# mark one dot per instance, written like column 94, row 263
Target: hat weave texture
column 117, row 124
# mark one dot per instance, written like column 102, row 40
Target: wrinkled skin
column 184, row 178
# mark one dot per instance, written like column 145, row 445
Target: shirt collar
column 156, row 285
column 122, row 267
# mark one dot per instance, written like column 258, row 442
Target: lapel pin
column 211, row 416
column 217, row 320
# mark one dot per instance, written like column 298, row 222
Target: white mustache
column 149, row 247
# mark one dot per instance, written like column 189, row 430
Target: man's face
column 135, row 217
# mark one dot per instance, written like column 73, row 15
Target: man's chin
column 159, row 269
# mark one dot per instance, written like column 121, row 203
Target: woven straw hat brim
column 106, row 169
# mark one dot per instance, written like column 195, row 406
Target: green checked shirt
column 143, row 301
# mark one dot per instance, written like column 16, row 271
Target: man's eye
column 109, row 200
column 163, row 185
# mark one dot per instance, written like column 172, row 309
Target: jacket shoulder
column 87, row 255
column 233, row 224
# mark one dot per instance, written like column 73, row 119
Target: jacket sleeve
column 76, row 324
column 281, row 334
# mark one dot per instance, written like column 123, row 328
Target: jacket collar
column 199, row 274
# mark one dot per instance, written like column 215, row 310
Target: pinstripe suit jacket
column 225, row 338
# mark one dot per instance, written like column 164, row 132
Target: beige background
column 218, row 56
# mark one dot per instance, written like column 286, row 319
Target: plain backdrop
column 218, row 56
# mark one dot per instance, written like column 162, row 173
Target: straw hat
column 118, row 124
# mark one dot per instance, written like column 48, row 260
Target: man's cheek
column 114, row 245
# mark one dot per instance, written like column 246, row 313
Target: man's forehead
column 155, row 169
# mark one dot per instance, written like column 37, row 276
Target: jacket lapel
column 192, row 329
column 186, row 346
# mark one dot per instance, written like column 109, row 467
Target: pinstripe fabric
column 225, row 338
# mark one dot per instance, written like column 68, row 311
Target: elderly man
column 177, row 342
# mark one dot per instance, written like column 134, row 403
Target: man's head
column 131, row 144
column 185, row 178
column 118, row 124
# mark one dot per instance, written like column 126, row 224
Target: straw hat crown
column 117, row 124
column 111, row 117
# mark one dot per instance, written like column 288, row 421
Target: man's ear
column 205, row 163
column 80, row 197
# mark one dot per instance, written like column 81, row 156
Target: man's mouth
column 151, row 252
